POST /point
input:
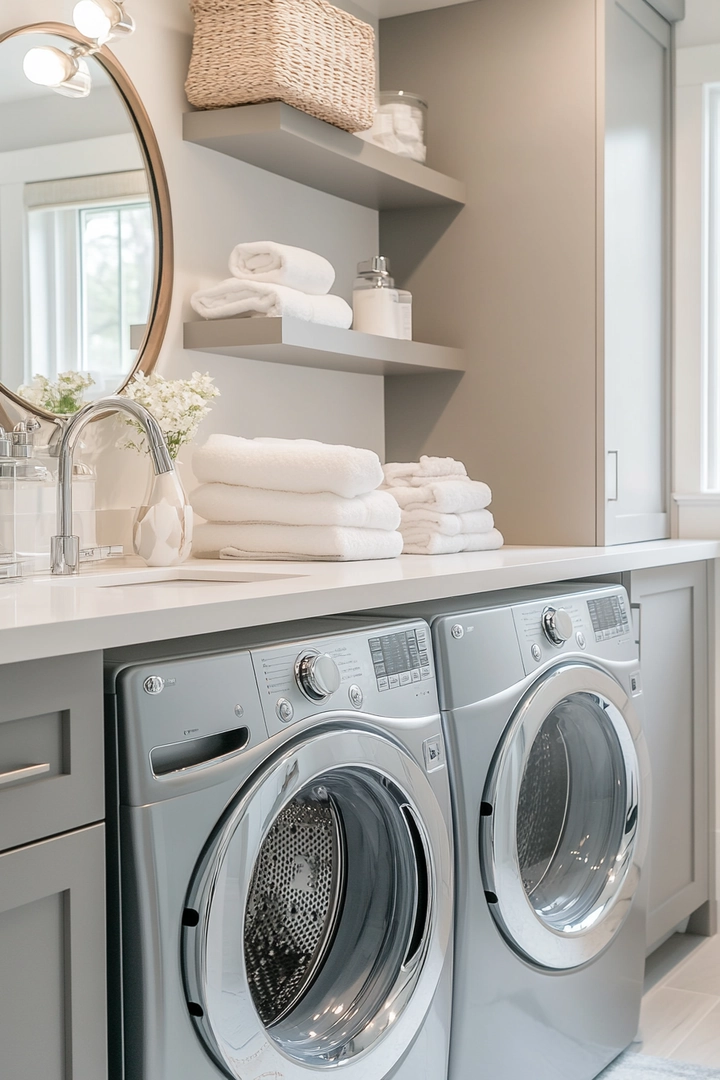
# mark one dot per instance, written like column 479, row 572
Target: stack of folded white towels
column 275, row 280
column 290, row 499
column 442, row 510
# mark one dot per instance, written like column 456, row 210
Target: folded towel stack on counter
column 273, row 280
column 290, row 499
column 443, row 511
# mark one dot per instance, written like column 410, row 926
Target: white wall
column 216, row 202
column 701, row 25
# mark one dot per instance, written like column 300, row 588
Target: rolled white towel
column 260, row 299
column 474, row 521
column 264, row 260
column 326, row 543
column 299, row 465
column 403, row 473
column 229, row 503
column 444, row 496
column 434, row 543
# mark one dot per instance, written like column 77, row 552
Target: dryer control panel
column 592, row 622
column 387, row 671
column 487, row 648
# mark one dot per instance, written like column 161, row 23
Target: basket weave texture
column 306, row 53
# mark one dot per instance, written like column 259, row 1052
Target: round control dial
column 317, row 675
column 557, row 625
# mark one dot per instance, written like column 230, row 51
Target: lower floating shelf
column 291, row 341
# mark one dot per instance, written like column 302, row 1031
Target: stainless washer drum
column 294, row 902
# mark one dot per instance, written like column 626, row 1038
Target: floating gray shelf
column 288, row 142
column 290, row 341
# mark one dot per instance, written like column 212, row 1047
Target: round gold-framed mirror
column 86, row 240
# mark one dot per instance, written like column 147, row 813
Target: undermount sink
column 174, row 576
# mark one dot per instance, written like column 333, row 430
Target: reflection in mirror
column 77, row 235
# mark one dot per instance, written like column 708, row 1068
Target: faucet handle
column 65, row 554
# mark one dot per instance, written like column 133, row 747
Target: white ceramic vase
column 163, row 528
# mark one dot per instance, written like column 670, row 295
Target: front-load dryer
column 283, row 902
column 541, row 699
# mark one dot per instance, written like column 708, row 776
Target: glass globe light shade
column 48, row 66
column 101, row 20
column 65, row 74
column 92, row 21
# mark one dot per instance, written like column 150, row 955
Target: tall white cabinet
column 635, row 278
column 554, row 277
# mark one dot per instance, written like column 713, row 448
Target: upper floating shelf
column 290, row 341
column 288, row 142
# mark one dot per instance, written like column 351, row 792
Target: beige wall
column 701, row 25
column 217, row 202
column 512, row 278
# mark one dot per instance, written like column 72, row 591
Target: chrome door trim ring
column 537, row 942
column 255, row 808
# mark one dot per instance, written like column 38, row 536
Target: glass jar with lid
column 402, row 120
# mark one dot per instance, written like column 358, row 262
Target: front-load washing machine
column 282, row 907
column 541, row 699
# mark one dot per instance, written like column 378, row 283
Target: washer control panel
column 609, row 616
column 401, row 658
column 386, row 671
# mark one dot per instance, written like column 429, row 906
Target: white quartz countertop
column 121, row 605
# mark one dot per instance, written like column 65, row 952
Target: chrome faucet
column 65, row 548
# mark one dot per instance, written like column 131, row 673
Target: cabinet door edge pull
column 27, row 773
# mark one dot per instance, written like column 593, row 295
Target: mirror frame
column 159, row 313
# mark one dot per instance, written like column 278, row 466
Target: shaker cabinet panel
column 52, row 959
column 670, row 607
column 636, row 222
column 51, row 747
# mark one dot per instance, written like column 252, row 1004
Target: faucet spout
column 65, row 549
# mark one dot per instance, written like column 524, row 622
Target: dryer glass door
column 560, row 849
column 316, row 928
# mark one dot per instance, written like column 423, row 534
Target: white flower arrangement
column 64, row 396
column 178, row 405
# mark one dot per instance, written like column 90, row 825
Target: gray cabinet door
column 51, row 747
column 670, row 610
column 636, row 274
column 52, row 959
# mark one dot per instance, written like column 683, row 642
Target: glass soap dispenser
column 10, row 567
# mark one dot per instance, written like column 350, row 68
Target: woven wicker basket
column 306, row 53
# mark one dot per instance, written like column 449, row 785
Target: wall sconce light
column 101, row 20
column 65, row 73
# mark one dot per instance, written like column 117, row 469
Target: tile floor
column 680, row 1015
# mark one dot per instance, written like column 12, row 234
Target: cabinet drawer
column 51, row 747
column 52, row 959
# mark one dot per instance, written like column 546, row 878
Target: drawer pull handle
column 24, row 774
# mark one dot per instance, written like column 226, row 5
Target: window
column 116, row 263
column 90, row 245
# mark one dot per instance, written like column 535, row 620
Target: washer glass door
column 316, row 927
column 560, row 850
